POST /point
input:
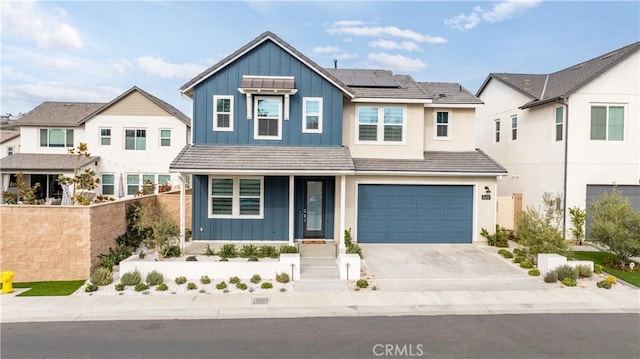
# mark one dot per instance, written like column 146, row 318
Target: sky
column 93, row 51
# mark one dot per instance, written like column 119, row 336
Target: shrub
column 540, row 232
column 154, row 278
column 221, row 285
column 191, row 286
column 119, row 287
column 192, row 259
column 241, row 286
column 285, row 248
column 505, row 253
column 362, row 283
column 234, row 280
column 267, row 252
column 566, row 271
column 518, row 260
column 131, row 278
column 90, row 288
column 497, row 239
column 354, row 249
column 611, row 280
column 604, row 284
column 534, row 272
column 162, row 287
column 209, row 252
column 597, row 268
column 282, row 277
column 228, row 250
column 140, row 287
column 248, row 250
column 181, row 280
column 101, row 276
column 141, row 255
column 584, row 271
column 205, row 279
column 172, row 251
column 114, row 257
column 551, row 277
column 526, row 265
column 253, row 259
column 569, row 282
column 266, row 285
column 255, row 279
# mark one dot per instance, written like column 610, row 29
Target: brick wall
column 170, row 201
column 41, row 243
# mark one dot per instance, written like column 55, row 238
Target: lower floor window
column 146, row 183
column 236, row 197
column 108, row 181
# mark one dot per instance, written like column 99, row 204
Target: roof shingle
column 435, row 161
column 43, row 162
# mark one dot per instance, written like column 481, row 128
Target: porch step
column 320, row 285
column 318, row 268
column 328, row 249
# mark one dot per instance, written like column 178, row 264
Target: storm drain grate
column 260, row 301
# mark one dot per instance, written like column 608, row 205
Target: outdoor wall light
column 487, row 190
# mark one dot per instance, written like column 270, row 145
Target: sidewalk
column 316, row 304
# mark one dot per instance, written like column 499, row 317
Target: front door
column 313, row 211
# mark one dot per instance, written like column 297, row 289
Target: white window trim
column 380, row 129
column 304, row 115
column 215, row 113
column 556, row 124
column 110, row 136
column 606, row 128
column 10, row 150
column 448, row 137
column 65, row 129
column 256, row 120
column 235, row 202
column 146, row 136
column 160, row 138
column 497, row 131
column 102, row 184
column 511, row 139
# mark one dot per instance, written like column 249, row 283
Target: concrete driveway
column 422, row 267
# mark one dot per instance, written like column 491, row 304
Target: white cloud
column 380, row 31
column 120, row 66
column 395, row 62
column 157, row 67
column 47, row 30
column 333, row 52
column 58, row 64
column 393, row 45
column 349, row 23
column 325, row 49
column 499, row 12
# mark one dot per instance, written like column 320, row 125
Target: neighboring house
column 286, row 150
column 574, row 132
column 132, row 139
column 9, row 142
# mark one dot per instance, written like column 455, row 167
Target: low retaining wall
column 266, row 268
column 349, row 266
column 549, row 262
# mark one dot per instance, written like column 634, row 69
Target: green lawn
column 599, row 257
column 57, row 288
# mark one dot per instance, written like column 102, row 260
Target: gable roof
column 73, row 114
column 6, row 135
column 43, row 162
column 366, row 83
column 546, row 88
column 449, row 93
column 187, row 88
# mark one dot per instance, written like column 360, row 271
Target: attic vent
column 442, row 95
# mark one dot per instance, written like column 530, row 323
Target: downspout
column 565, row 102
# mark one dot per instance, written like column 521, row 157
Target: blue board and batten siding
column 415, row 214
column 267, row 59
column 274, row 225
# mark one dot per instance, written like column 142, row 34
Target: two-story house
column 574, row 132
column 132, row 139
column 9, row 142
column 285, row 150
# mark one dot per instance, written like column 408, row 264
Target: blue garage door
column 415, row 214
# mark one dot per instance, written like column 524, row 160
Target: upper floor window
column 514, row 128
column 497, row 130
column 312, row 114
column 268, row 117
column 559, row 123
column 381, row 124
column 607, row 123
column 10, row 151
column 108, row 184
column 56, row 137
column 236, row 197
column 135, row 139
column 442, row 124
column 222, row 113
column 165, row 138
column 105, row 137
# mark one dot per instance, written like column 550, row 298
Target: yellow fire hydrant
column 7, row 282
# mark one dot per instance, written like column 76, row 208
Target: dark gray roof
column 6, row 135
column 266, row 36
column 406, row 88
column 69, row 114
column 365, row 77
column 435, row 161
column 258, row 82
column 449, row 93
column 43, row 162
column 267, row 158
column 546, row 88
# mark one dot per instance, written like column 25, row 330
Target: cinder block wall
column 170, row 201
